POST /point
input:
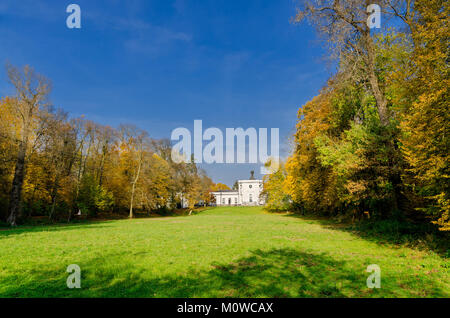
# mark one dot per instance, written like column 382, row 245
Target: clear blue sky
column 162, row 64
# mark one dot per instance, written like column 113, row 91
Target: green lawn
column 222, row 252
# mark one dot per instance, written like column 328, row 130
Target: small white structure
column 248, row 193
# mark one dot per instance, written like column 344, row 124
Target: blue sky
column 162, row 64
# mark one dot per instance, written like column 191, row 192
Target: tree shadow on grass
column 5, row 232
column 275, row 273
column 81, row 224
column 399, row 233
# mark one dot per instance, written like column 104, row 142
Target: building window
column 235, row 200
column 250, row 186
column 223, row 201
column 250, row 199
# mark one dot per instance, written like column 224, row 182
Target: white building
column 248, row 193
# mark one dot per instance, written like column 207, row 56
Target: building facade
column 248, row 193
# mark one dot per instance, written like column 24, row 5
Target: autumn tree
column 31, row 97
column 425, row 124
column 157, row 184
column 134, row 145
column 220, row 186
column 308, row 183
column 344, row 24
column 275, row 190
column 8, row 148
column 206, row 184
column 60, row 151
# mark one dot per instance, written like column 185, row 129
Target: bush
column 92, row 197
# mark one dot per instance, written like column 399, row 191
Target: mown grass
column 222, row 252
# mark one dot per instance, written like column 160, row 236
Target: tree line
column 375, row 141
column 56, row 167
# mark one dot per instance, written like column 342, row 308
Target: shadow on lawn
column 5, row 232
column 421, row 236
column 274, row 273
column 87, row 223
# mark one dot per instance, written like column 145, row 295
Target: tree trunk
column 373, row 81
column 131, row 202
column 383, row 113
column 102, row 165
column 15, row 204
column 54, row 196
column 69, row 218
column 80, row 167
column 133, row 188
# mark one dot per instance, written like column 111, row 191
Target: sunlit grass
column 222, row 252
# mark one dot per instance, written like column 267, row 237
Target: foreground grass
column 222, row 252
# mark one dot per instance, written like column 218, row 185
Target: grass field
column 222, row 252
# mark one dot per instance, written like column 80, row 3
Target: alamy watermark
column 74, row 279
column 374, row 279
column 374, row 18
column 234, row 149
column 73, row 21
